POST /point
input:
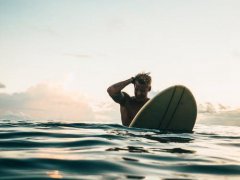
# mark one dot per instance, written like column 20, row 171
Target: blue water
column 58, row 150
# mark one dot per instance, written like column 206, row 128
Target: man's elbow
column 110, row 91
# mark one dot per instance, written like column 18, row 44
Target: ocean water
column 60, row 150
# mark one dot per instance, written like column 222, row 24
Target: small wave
column 34, row 144
column 210, row 169
column 35, row 150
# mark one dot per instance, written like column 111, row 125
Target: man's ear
column 149, row 89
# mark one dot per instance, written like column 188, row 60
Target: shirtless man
column 129, row 106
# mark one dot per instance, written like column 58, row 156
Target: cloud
column 212, row 108
column 107, row 111
column 227, row 118
column 218, row 114
column 45, row 101
column 2, row 85
column 52, row 102
column 206, row 108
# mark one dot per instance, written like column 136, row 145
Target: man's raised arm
column 115, row 89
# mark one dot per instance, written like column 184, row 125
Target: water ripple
column 35, row 150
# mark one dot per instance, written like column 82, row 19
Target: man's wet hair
column 143, row 78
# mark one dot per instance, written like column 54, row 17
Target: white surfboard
column 172, row 109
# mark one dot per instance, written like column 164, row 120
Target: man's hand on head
column 142, row 78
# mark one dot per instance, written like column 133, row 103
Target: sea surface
column 60, row 150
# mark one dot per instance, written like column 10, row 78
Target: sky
column 70, row 51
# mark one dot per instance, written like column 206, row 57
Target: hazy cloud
column 46, row 102
column 2, row 85
column 206, row 108
column 218, row 114
column 228, row 118
column 107, row 111
column 52, row 102
column 212, row 108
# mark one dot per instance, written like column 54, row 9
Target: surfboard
column 173, row 109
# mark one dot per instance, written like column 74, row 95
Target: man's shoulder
column 121, row 98
column 126, row 94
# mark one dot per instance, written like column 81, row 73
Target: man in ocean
column 129, row 106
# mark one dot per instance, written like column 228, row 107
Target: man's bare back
column 129, row 106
